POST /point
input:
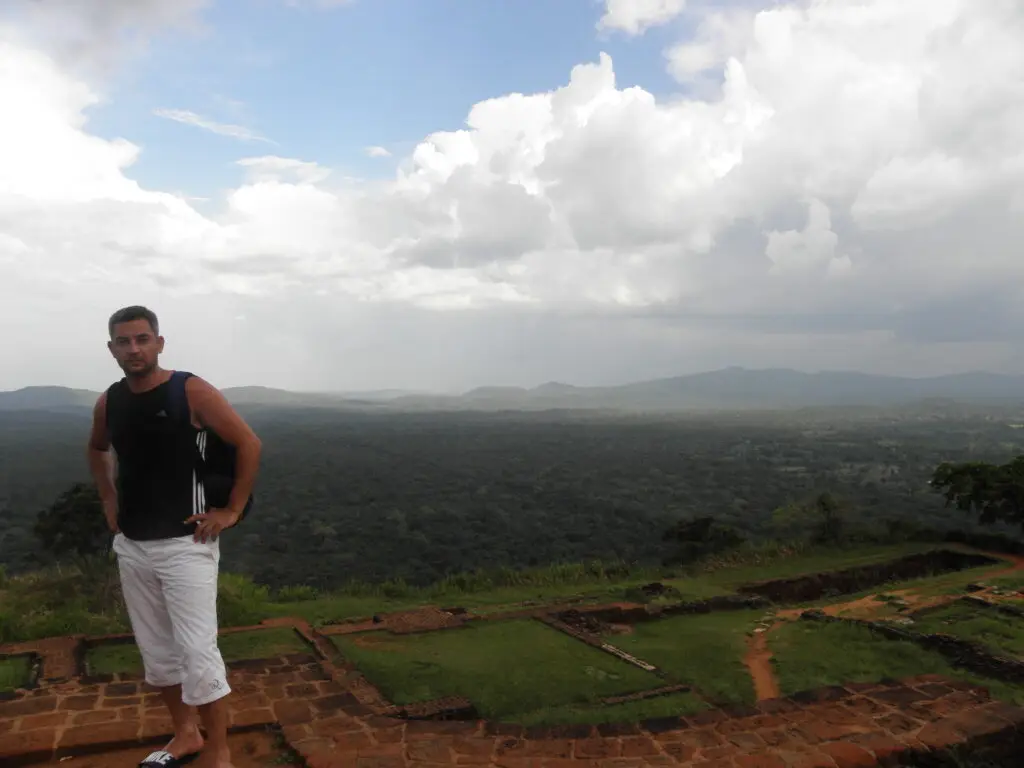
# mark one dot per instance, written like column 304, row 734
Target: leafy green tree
column 824, row 518
column 73, row 530
column 700, row 537
column 994, row 491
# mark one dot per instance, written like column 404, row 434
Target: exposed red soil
column 759, row 662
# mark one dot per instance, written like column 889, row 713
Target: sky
column 441, row 194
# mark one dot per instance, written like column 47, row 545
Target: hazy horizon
column 399, row 390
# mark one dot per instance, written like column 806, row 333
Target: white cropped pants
column 170, row 590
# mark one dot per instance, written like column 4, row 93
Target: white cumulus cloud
column 843, row 183
column 636, row 16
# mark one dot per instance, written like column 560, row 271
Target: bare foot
column 187, row 743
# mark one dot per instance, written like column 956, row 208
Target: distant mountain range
column 726, row 389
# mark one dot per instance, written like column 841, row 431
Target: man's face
column 135, row 347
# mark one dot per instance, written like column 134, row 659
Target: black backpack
column 215, row 458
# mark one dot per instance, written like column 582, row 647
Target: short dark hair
column 127, row 314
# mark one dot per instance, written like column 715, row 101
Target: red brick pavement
column 330, row 724
column 332, row 717
column 248, row 750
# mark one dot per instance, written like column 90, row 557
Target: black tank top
column 157, row 464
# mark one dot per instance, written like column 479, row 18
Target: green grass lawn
column 952, row 583
column 339, row 606
column 629, row 712
column 705, row 651
column 334, row 607
column 720, row 581
column 808, row 654
column 1013, row 582
column 1001, row 633
column 511, row 598
column 52, row 603
column 690, row 590
column 725, row 580
column 506, row 668
column 14, row 672
column 955, row 582
column 236, row 646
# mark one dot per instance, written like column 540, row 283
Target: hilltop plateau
column 768, row 657
column 574, row 587
column 726, row 389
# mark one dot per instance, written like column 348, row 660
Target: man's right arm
column 101, row 463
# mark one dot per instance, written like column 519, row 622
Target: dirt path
column 1018, row 564
column 759, row 662
column 870, row 607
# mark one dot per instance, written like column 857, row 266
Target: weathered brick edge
column 596, row 642
column 323, row 719
column 651, row 693
column 810, row 587
column 54, row 659
column 848, row 726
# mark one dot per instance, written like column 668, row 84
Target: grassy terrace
column 1003, row 634
column 728, row 575
column 581, row 583
column 628, row 712
column 1013, row 582
column 14, row 672
column 526, row 672
column 947, row 584
column 508, row 669
column 236, row 646
column 704, row 651
column 808, row 654
column 50, row 604
column 483, row 599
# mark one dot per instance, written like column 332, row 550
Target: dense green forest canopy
column 350, row 495
column 994, row 491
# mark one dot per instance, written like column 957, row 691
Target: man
column 165, row 536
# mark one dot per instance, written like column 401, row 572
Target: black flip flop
column 164, row 759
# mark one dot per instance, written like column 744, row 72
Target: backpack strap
column 178, row 399
column 217, row 485
column 112, row 392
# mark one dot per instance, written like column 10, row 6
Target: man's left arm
column 213, row 411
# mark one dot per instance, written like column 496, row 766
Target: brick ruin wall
column 803, row 589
